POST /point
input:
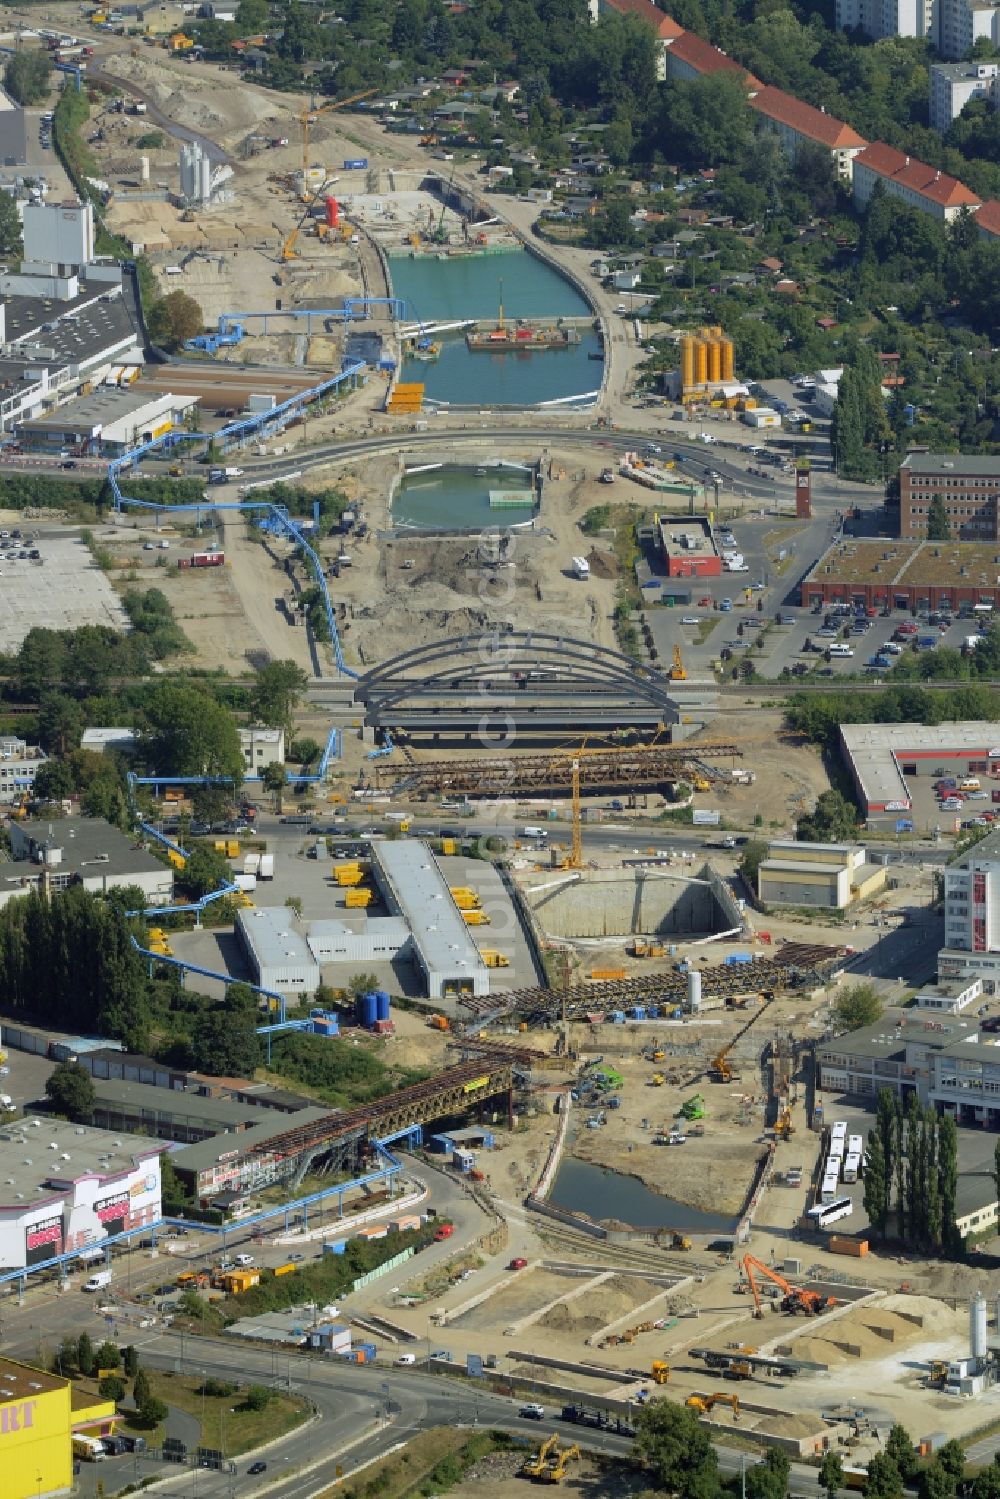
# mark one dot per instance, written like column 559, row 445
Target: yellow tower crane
column 308, row 117
column 576, row 851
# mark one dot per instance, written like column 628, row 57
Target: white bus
column 852, row 1168
column 838, row 1131
column 825, row 1213
column 828, row 1191
column 855, row 1145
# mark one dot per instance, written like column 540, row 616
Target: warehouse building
column 372, row 939
column 236, row 1166
column 278, row 955
column 167, row 1114
column 68, row 1187
column 880, row 758
column 413, row 887
column 916, row 576
column 80, row 850
column 106, row 423
column 828, row 875
column 37, row 1432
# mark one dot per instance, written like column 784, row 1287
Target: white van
column 533, row 832
column 840, row 649
column 98, row 1282
column 244, row 1261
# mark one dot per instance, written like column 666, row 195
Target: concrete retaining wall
column 629, row 903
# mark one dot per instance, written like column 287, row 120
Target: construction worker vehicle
column 693, row 1108
column 794, row 1299
column 554, row 1470
column 703, row 1404
column 494, row 959
column 659, row 1371
column 535, row 1462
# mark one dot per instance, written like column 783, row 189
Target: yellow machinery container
column 466, row 900
column 476, row 918
column 232, row 848
column 494, row 959
column 448, row 846
column 359, row 899
column 176, row 859
column 348, row 876
column 606, row 974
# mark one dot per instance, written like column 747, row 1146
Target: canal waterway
column 469, row 286
column 581, row 1187
column 453, row 497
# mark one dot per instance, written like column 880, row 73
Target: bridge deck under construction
column 794, row 967
column 601, row 769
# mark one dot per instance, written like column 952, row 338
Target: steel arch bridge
column 528, row 679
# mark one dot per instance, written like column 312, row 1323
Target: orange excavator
column 795, row 1298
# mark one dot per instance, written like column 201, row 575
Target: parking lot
column 61, row 589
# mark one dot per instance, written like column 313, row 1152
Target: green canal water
column 581, row 1187
column 470, row 287
column 452, row 498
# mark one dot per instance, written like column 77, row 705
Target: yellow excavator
column 534, row 1465
column 678, row 672
column 555, row 1469
column 704, row 1403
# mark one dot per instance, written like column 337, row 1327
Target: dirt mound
column 603, row 564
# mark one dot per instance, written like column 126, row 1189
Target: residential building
column 19, row 764
column 910, row 180
column 988, row 220
column 972, row 916
column 262, row 746
column 961, row 23
column 952, row 85
column 666, row 28
column 689, row 56
column 798, row 124
column 827, row 875
column 880, row 18
column 967, row 483
column 70, row 1188
column 80, row 851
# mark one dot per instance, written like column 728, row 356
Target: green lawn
column 225, row 1425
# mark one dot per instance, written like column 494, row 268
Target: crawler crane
column 795, row 1298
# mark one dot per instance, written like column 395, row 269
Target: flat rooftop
column 686, row 536
column 88, row 845
column 275, row 941
column 93, row 412
column 890, row 1035
column 21, row 1381
column 863, row 562
column 956, row 464
column 46, row 1156
column 875, row 750
column 173, row 1103
column 423, row 898
column 207, row 1153
column 80, row 327
column 909, row 564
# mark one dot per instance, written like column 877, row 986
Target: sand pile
column 198, row 104
column 596, row 1308
column 876, row 1331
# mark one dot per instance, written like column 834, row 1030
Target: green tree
column 753, row 855
column 875, row 1202
column 938, row 525
column 833, row 820
column 240, row 999
column 224, row 1044
column 831, row 1472
column 304, row 751
column 951, row 1456
column 188, row 733
column 212, row 803
column 205, row 870
column 53, row 781
column 769, row 1479
column 108, row 1356
column 258, row 1397
column 70, row 1089
column 85, row 1355
column 10, row 228
column 947, row 1154
column 26, row 77
column 673, row 1443
column 130, row 1361
column 274, row 778
column 855, row 1007
column 111, row 1387
column 152, row 1411
column 60, row 723
column 173, row 319
column 251, row 17
column 141, row 1391
column 899, row 1447
column 277, row 693
column 883, row 1481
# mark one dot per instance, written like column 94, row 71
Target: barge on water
column 519, row 335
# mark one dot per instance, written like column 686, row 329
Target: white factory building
column 413, row 887
column 261, row 746
column 67, row 1187
column 375, row 939
column 278, row 955
column 80, row 850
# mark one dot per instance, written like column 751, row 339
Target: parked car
column 531, row 1411
column 256, row 1468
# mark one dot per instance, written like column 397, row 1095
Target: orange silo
column 728, row 364
column 714, row 361
column 687, row 362
column 700, row 362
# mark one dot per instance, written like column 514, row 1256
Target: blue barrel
column 367, row 1010
column 381, row 1005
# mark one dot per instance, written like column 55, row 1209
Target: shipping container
column 840, row 1244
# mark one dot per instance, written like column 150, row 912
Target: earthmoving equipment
column 679, row 1241
column 657, row 1080
column 533, row 1464
column 719, row 1069
column 783, row 1127
column 704, row 1403
column 796, row 1298
column 555, row 1469
column 938, row 1371
column 660, row 1371
column 693, row 1108
column 677, row 670
column 657, row 1055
